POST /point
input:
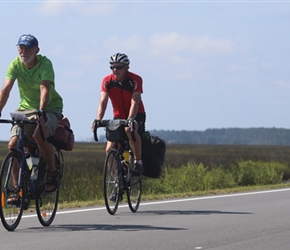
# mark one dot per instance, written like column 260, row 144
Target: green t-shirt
column 29, row 83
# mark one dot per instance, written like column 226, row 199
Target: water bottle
column 34, row 172
column 126, row 155
column 28, row 160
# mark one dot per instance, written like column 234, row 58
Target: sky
column 204, row 64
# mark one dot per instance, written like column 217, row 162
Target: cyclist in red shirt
column 124, row 90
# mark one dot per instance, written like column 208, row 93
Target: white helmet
column 120, row 58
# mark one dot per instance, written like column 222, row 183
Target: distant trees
column 239, row 136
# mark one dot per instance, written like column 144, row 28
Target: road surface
column 253, row 220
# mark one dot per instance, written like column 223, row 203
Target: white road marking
column 170, row 201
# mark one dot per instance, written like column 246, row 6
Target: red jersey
column 120, row 95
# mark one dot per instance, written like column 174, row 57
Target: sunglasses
column 116, row 67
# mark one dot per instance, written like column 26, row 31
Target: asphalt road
column 254, row 220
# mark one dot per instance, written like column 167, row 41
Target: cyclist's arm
column 102, row 105
column 135, row 100
column 44, row 94
column 5, row 92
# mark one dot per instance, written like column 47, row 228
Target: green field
column 188, row 170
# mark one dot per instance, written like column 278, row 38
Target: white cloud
column 51, row 8
column 131, row 43
column 85, row 8
column 173, row 43
column 171, row 47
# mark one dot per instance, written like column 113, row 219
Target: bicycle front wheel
column 134, row 191
column 12, row 204
column 46, row 203
column 112, row 180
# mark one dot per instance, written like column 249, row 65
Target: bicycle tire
column 46, row 203
column 10, row 213
column 111, row 180
column 134, row 191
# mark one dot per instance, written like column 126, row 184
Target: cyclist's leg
column 109, row 146
column 47, row 149
column 136, row 145
column 28, row 129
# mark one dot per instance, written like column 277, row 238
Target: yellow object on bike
column 126, row 155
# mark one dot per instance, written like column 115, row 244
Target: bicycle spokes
column 111, row 182
column 12, row 199
column 134, row 193
column 46, row 203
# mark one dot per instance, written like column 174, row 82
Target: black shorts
column 141, row 119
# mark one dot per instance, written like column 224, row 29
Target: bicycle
column 118, row 167
column 28, row 186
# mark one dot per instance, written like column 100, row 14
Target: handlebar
column 111, row 124
column 17, row 121
column 7, row 121
column 20, row 120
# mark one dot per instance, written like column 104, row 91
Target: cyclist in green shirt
column 38, row 98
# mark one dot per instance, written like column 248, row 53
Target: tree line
column 238, row 136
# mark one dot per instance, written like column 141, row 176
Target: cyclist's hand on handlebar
column 41, row 113
column 96, row 124
column 131, row 121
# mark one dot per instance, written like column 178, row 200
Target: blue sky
column 204, row 64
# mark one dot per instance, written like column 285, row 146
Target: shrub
column 258, row 173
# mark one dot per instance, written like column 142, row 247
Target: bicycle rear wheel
column 112, row 180
column 134, row 191
column 10, row 212
column 46, row 203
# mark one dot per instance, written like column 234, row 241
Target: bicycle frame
column 23, row 168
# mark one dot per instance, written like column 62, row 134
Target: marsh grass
column 188, row 170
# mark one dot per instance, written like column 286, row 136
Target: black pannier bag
column 153, row 154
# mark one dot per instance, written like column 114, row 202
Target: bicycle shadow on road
column 189, row 212
column 114, row 227
column 99, row 227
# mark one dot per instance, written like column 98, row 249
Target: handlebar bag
column 115, row 130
